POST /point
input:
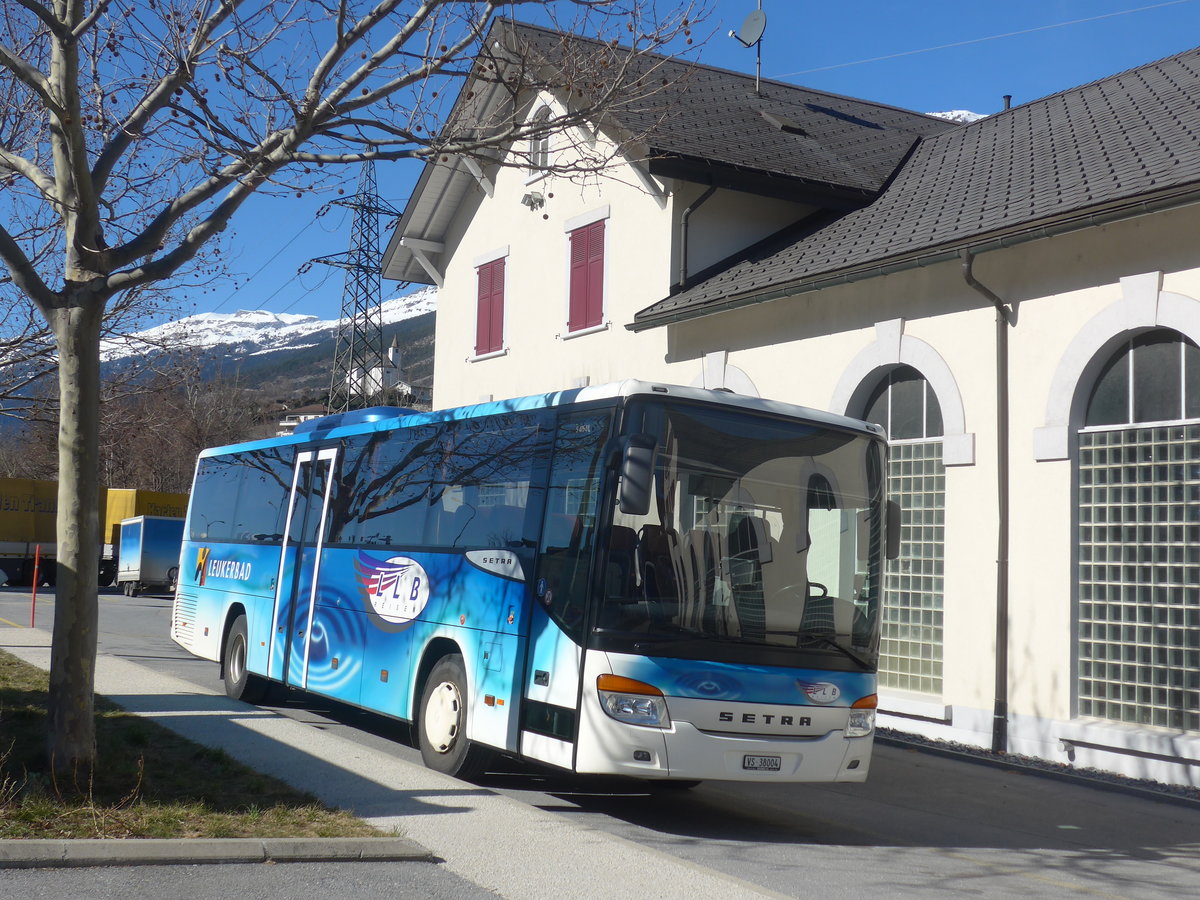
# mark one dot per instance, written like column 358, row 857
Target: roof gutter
column 1188, row 197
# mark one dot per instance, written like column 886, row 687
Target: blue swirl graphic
column 335, row 634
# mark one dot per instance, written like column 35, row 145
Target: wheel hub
column 442, row 716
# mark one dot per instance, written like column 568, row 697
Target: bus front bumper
column 684, row 752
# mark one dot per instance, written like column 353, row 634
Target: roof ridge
column 744, row 76
column 1089, row 84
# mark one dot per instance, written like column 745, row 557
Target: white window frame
column 482, row 260
column 592, row 216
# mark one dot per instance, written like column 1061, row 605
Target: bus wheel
column 240, row 684
column 442, row 727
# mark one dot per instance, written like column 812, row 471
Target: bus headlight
column 860, row 723
column 633, row 702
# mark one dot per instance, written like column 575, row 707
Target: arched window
column 539, row 144
column 1138, row 509
column 905, row 406
column 911, row 649
column 1154, row 377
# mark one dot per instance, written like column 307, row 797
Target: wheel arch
column 235, row 609
column 435, row 650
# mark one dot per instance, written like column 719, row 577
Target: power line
column 980, row 40
column 262, row 303
column 259, row 271
column 306, row 292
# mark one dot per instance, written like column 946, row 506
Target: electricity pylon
column 359, row 360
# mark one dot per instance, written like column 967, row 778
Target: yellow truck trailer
column 28, row 520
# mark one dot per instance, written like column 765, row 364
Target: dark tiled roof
column 715, row 115
column 706, row 123
column 1114, row 142
column 845, row 142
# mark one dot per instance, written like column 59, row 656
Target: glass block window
column 911, row 635
column 911, row 639
column 1139, row 539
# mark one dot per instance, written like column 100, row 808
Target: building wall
column 538, row 354
column 1074, row 297
column 1092, row 290
column 725, row 223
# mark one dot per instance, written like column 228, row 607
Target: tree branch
column 159, row 94
column 48, row 18
column 23, row 273
column 31, row 78
column 23, row 167
column 91, row 19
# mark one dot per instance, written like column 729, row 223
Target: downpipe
column 1004, row 321
column 683, row 234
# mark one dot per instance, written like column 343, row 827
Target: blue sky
column 925, row 55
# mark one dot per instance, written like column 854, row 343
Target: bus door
column 550, row 706
column 299, row 565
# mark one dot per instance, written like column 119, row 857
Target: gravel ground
column 1095, row 777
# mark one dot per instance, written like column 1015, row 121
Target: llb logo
column 396, row 589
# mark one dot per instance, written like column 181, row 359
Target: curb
column 38, row 854
column 1114, row 783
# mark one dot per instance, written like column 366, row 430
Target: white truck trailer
column 148, row 556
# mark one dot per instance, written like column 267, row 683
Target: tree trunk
column 72, row 733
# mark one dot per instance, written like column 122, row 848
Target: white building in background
column 1017, row 300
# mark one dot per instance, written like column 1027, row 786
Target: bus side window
column 381, row 496
column 241, row 497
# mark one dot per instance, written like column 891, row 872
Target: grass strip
column 148, row 781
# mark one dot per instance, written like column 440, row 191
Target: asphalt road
column 922, row 825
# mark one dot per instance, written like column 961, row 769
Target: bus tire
column 240, row 683
column 442, row 722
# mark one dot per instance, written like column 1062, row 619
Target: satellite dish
column 752, row 29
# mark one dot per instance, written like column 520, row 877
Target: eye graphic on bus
column 711, row 685
column 396, row 588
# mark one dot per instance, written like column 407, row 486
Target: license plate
column 761, row 763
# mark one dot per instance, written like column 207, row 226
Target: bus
column 635, row 579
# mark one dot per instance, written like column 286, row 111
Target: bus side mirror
column 893, row 529
column 637, row 474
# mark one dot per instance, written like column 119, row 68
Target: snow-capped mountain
column 254, row 332
column 962, row 116
column 282, row 356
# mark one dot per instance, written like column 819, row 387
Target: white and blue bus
column 634, row 579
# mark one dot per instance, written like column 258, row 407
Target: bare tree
column 132, row 131
column 151, row 430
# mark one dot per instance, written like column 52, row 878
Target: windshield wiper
column 822, row 640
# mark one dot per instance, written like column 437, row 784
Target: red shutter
column 489, row 324
column 595, row 313
column 587, row 277
column 577, row 313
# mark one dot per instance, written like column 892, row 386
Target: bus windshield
column 761, row 544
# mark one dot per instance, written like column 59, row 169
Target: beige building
column 1017, row 300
